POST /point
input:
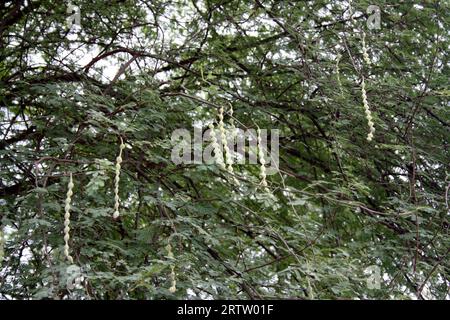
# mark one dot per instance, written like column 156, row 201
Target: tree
column 358, row 208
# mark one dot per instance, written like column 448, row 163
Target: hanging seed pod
column 232, row 131
column 117, row 180
column 217, row 151
column 350, row 10
column 228, row 154
column 67, row 219
column 173, row 286
column 223, row 136
column 232, row 126
column 363, row 38
column 364, row 49
column 367, row 111
column 262, row 161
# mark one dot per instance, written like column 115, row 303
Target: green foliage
column 139, row 69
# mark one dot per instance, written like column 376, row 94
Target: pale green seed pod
column 232, row 126
column 223, row 136
column 117, row 180
column 217, row 151
column 262, row 161
column 67, row 219
column 370, row 123
column 173, row 286
column 230, row 157
column 364, row 49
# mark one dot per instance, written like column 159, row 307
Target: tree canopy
column 359, row 205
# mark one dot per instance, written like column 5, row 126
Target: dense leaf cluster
column 139, row 69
